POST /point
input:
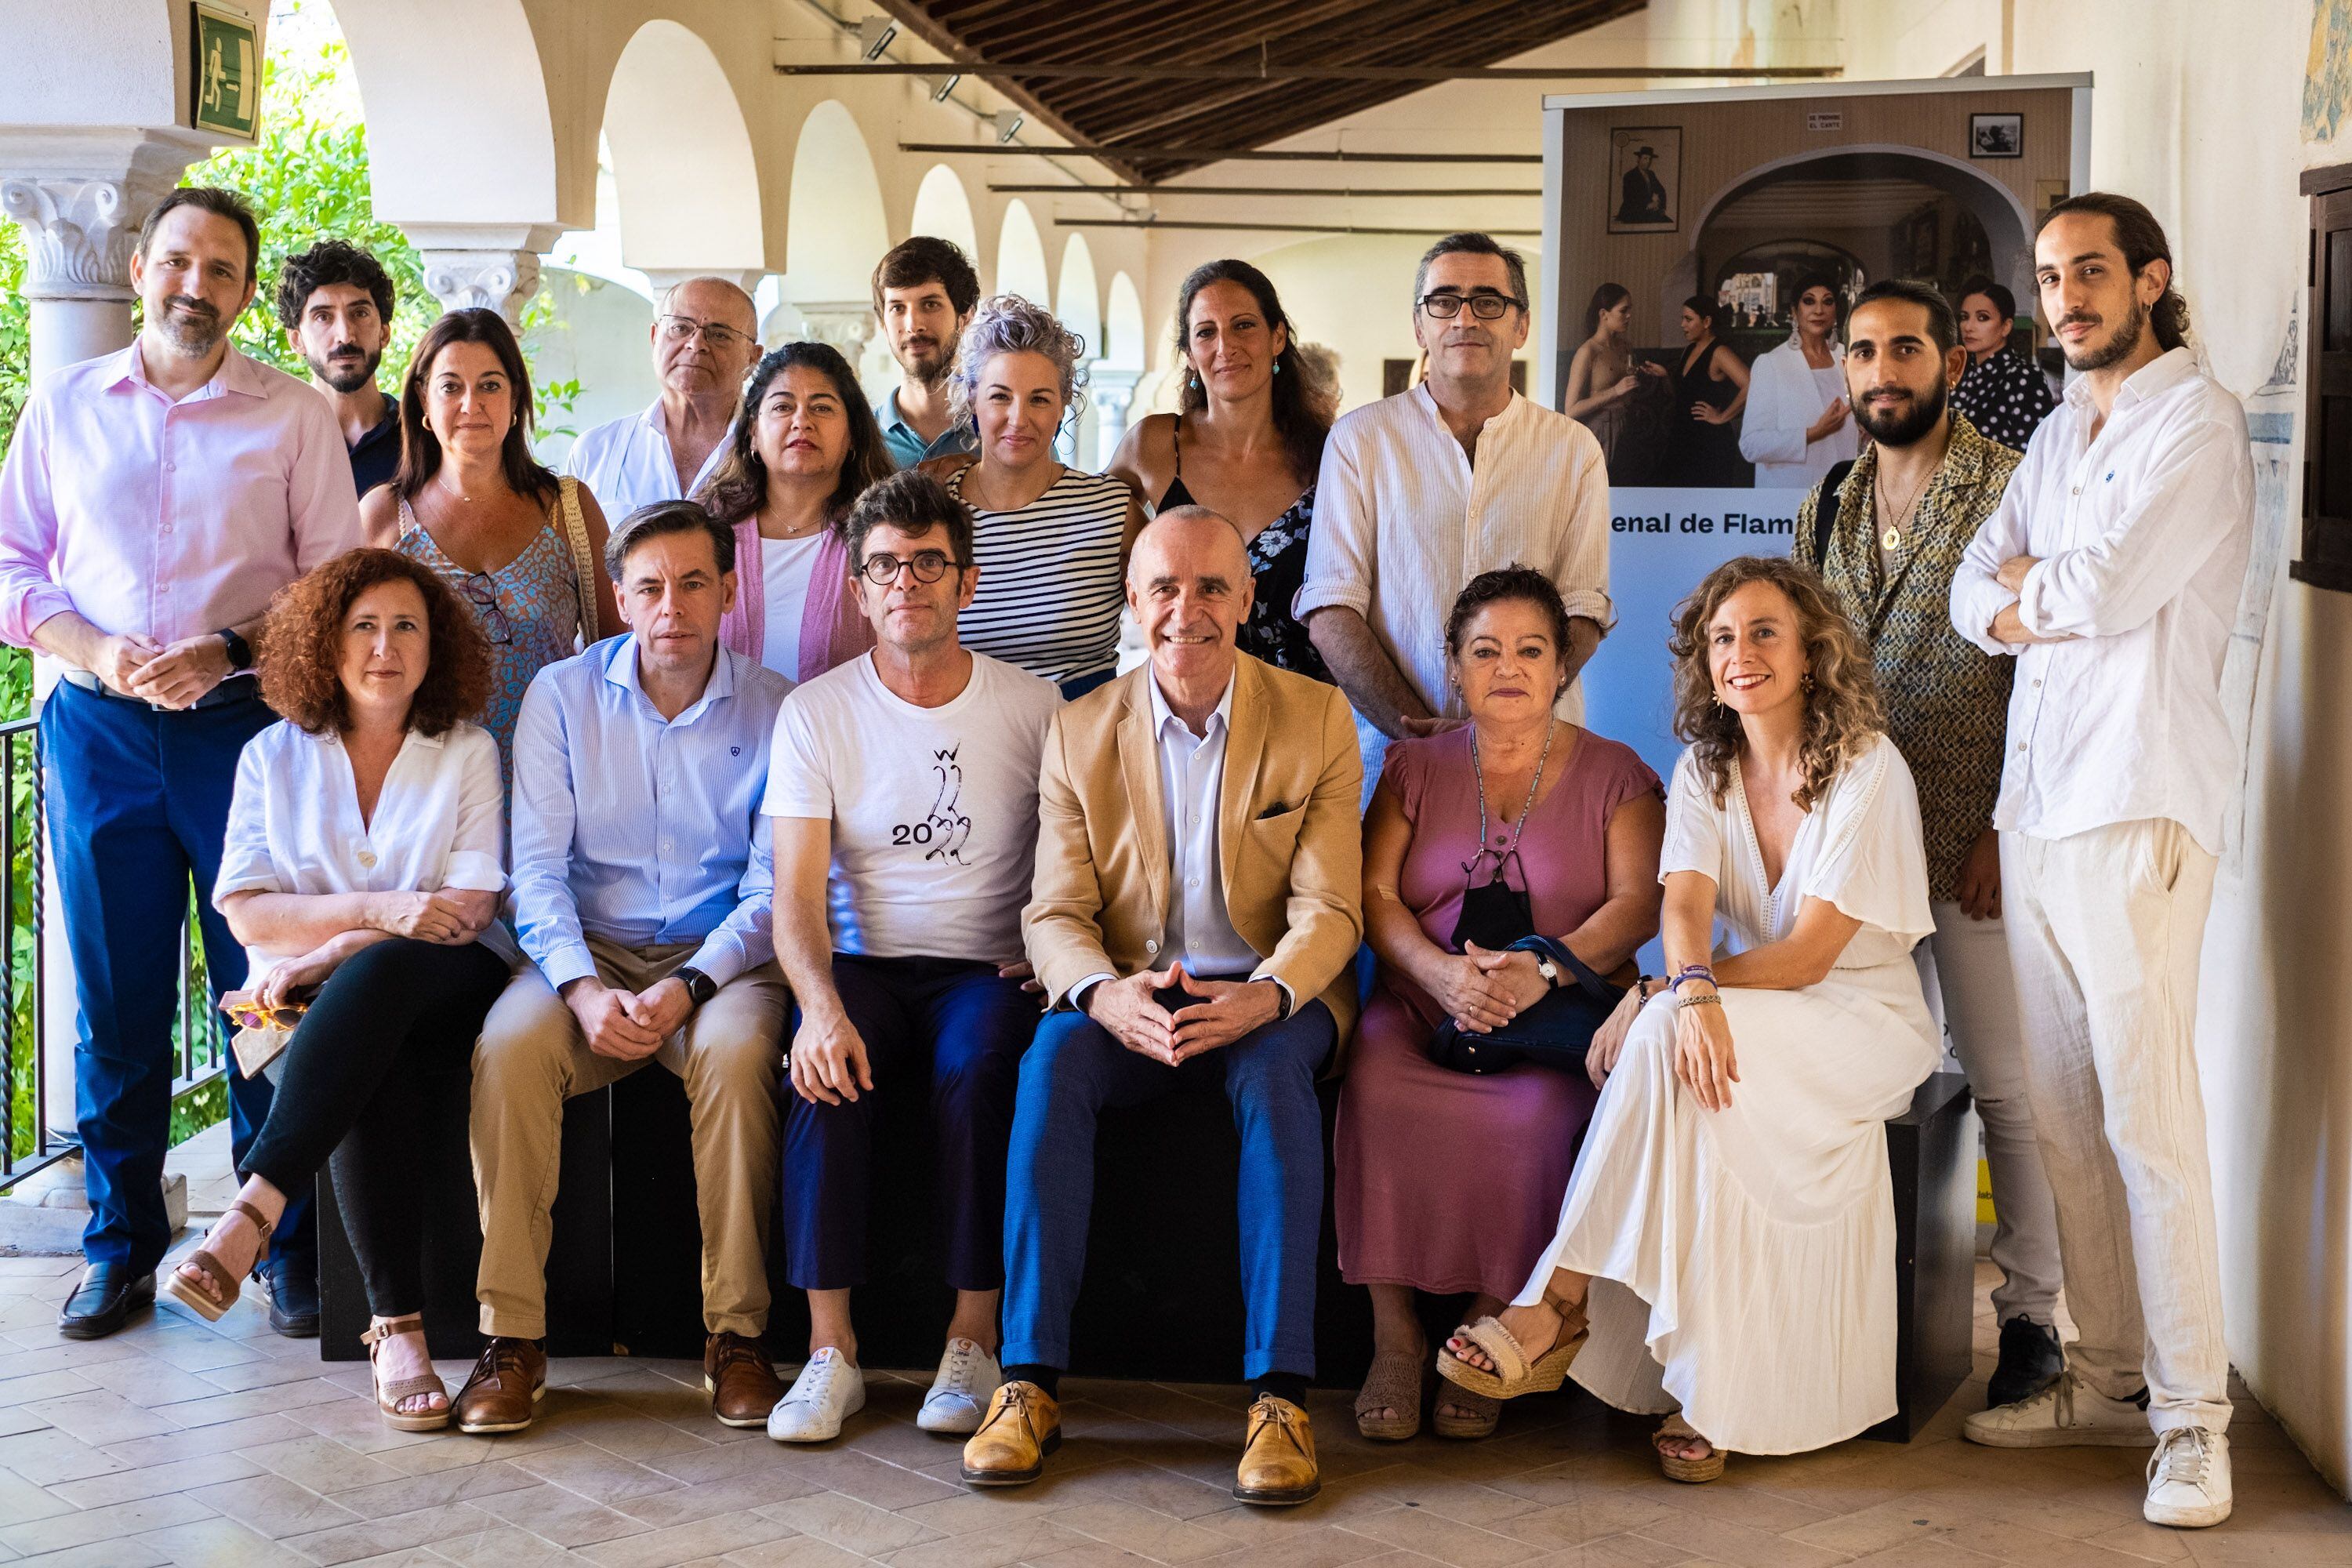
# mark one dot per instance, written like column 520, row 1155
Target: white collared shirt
column 1403, row 520
column 1201, row 934
column 627, row 463
column 2142, row 538
column 294, row 823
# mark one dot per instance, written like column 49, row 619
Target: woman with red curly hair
column 1728, row 1233
column 363, row 872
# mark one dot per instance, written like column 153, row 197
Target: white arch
column 1747, row 177
column 1123, row 334
column 438, row 64
column 834, row 228
column 1078, row 298
column 681, row 157
column 944, row 211
column 1021, row 255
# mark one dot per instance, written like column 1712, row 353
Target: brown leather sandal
column 212, row 1297
column 388, row 1395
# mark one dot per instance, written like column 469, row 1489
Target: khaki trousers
column 2105, row 927
column 533, row 1058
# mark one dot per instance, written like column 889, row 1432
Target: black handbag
column 1556, row 1032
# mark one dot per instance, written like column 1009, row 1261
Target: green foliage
column 16, row 331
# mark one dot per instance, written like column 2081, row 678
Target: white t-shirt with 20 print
column 934, row 810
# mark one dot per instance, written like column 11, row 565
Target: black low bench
column 1162, row 1297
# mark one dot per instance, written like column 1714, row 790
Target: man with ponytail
column 2112, row 571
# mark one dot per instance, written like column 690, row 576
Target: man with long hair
column 2112, row 573
column 152, row 501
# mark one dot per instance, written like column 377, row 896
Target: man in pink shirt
column 151, row 503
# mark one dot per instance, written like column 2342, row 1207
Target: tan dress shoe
column 1277, row 1467
column 1022, row 1426
column 504, row 1389
column 740, row 1380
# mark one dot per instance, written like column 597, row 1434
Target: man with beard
column 152, row 502
column 1899, row 516
column 1423, row 492
column 924, row 292
column 2111, row 571
column 335, row 302
column 705, row 337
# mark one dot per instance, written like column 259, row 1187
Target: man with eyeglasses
column 1423, row 492
column 902, row 799
column 705, row 337
column 641, row 892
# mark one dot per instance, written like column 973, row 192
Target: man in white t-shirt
column 902, row 794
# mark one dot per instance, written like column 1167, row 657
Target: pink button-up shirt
column 169, row 519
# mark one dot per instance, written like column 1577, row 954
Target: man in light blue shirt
column 642, row 888
column 924, row 293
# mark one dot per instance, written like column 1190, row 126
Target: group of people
column 1714, row 421
column 779, row 740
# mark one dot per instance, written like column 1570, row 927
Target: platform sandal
column 1676, row 1467
column 1514, row 1373
column 211, row 1297
column 1394, row 1383
column 389, row 1396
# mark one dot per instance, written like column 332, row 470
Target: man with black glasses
column 705, row 337
column 1530, row 486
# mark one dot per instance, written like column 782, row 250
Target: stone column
column 846, row 324
column 492, row 267
column 1112, row 392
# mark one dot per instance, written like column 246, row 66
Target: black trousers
column 396, row 1015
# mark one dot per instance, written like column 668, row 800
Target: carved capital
column 80, row 231
column 846, row 325
column 501, row 280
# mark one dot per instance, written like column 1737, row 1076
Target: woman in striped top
column 1051, row 542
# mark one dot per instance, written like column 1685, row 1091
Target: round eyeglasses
column 928, row 566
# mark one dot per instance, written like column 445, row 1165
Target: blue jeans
column 138, row 805
column 1074, row 1071
column 954, row 1028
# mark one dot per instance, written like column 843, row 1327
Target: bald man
column 705, row 337
column 1193, row 937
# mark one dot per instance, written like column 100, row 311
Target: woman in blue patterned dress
column 1246, row 444
column 471, row 503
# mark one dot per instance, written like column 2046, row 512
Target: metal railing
column 31, row 1054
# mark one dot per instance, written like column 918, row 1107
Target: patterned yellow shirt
column 1947, row 700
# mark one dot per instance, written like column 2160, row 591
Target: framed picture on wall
column 1996, row 136
column 1644, row 186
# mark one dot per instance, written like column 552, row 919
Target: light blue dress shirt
column 906, row 444
column 642, row 831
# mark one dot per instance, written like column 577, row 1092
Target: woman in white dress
column 1798, row 425
column 1728, row 1231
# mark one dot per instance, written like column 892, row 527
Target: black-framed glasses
column 679, row 329
column 928, row 566
column 481, row 591
column 1486, row 307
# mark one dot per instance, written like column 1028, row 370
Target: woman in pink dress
column 1450, row 1181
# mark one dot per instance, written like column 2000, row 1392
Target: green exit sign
column 228, row 74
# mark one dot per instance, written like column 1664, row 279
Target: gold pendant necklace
column 1890, row 537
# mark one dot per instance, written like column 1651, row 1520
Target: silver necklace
column 1478, row 772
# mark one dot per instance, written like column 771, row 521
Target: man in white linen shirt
column 2112, row 573
column 705, row 336
column 1528, row 486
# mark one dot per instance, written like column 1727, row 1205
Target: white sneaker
column 967, row 1380
column 2064, row 1414
column 827, row 1392
column 2188, row 1478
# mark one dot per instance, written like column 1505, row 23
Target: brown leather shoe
column 1278, row 1462
column 740, row 1379
column 504, row 1388
column 1022, row 1426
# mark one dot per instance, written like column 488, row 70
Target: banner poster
column 1702, row 250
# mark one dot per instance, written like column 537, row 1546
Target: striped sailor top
column 1051, row 577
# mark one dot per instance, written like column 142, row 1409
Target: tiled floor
column 177, row 1442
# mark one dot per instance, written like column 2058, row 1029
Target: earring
column 1277, row 367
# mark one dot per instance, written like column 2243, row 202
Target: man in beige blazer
column 1194, row 918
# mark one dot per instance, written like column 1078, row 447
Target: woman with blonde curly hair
column 1726, row 1247
column 361, row 871
column 1049, row 541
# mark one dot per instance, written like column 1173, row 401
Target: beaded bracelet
column 1710, row 1000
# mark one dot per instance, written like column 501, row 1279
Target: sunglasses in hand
column 247, row 1014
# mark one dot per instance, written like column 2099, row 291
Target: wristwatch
column 1281, row 996
column 1549, row 969
column 700, row 987
column 240, row 652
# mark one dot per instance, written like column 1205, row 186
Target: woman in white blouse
column 1729, row 1236
column 1798, row 425
column 363, row 872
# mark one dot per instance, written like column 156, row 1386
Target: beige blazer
column 1289, row 837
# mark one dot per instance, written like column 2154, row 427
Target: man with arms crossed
column 1906, row 510
column 2112, row 571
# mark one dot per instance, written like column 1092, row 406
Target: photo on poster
column 1646, row 162
column 1996, row 136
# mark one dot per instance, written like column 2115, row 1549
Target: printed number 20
column 917, row 832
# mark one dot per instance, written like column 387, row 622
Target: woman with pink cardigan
column 803, row 450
